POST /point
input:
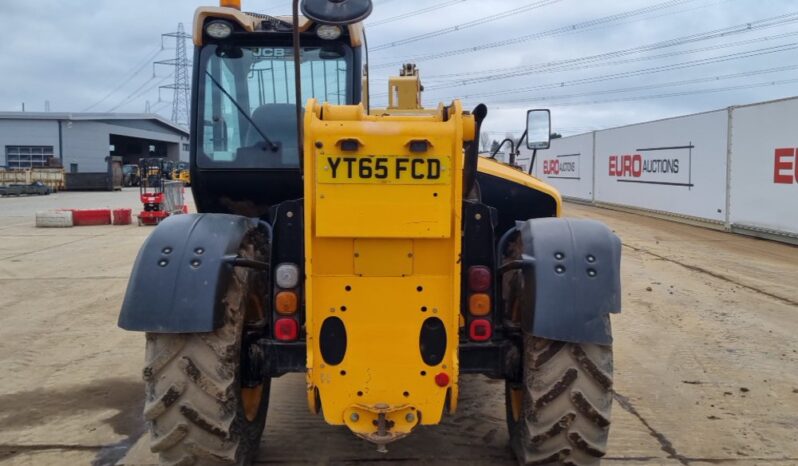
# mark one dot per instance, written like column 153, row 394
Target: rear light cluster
column 479, row 281
column 286, row 302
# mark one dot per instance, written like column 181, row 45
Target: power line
column 410, row 14
column 558, row 65
column 542, row 69
column 181, row 85
column 141, row 90
column 138, row 68
column 467, row 25
column 612, row 63
column 685, row 82
column 160, row 106
column 650, row 70
column 577, row 27
column 132, row 94
column 680, row 94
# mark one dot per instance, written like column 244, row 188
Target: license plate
column 380, row 169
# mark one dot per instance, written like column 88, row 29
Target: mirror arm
column 298, row 85
column 518, row 145
column 532, row 162
column 520, row 141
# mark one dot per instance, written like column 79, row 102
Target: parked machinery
column 131, row 175
column 372, row 250
column 182, row 173
column 159, row 196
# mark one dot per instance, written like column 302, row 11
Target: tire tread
column 192, row 403
column 567, row 397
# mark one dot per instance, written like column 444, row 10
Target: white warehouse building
column 83, row 142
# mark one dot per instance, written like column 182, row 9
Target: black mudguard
column 572, row 279
column 180, row 272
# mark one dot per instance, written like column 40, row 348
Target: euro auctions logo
column 551, row 167
column 564, row 166
column 785, row 166
column 668, row 166
column 636, row 166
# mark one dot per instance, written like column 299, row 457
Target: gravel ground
column 706, row 362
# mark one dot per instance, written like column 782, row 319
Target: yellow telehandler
column 371, row 249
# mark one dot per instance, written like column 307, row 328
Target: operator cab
column 244, row 154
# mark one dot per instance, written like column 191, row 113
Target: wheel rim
column 251, row 399
column 516, row 401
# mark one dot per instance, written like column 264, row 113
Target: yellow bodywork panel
column 382, row 247
column 516, row 176
column 404, row 92
column 390, row 212
column 383, row 257
column 396, row 194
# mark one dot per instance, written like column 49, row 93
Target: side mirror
column 337, row 12
column 538, row 129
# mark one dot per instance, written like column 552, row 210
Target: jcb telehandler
column 372, row 250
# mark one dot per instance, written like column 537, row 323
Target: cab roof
column 253, row 22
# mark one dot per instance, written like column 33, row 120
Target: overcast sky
column 593, row 63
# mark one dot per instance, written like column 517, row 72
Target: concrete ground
column 706, row 355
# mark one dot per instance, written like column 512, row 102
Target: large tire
column 195, row 406
column 559, row 414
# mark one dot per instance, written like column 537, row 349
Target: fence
column 736, row 168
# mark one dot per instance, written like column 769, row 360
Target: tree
column 484, row 142
column 494, row 146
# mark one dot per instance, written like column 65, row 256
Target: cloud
column 74, row 53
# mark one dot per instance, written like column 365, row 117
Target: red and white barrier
column 54, row 219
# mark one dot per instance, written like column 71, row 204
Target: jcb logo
column 785, row 166
column 268, row 53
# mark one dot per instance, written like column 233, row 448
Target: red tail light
column 479, row 278
column 480, row 330
column 286, row 330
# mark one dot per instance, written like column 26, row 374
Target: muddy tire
column 195, row 407
column 559, row 414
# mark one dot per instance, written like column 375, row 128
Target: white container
column 675, row 166
column 567, row 165
column 764, row 168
